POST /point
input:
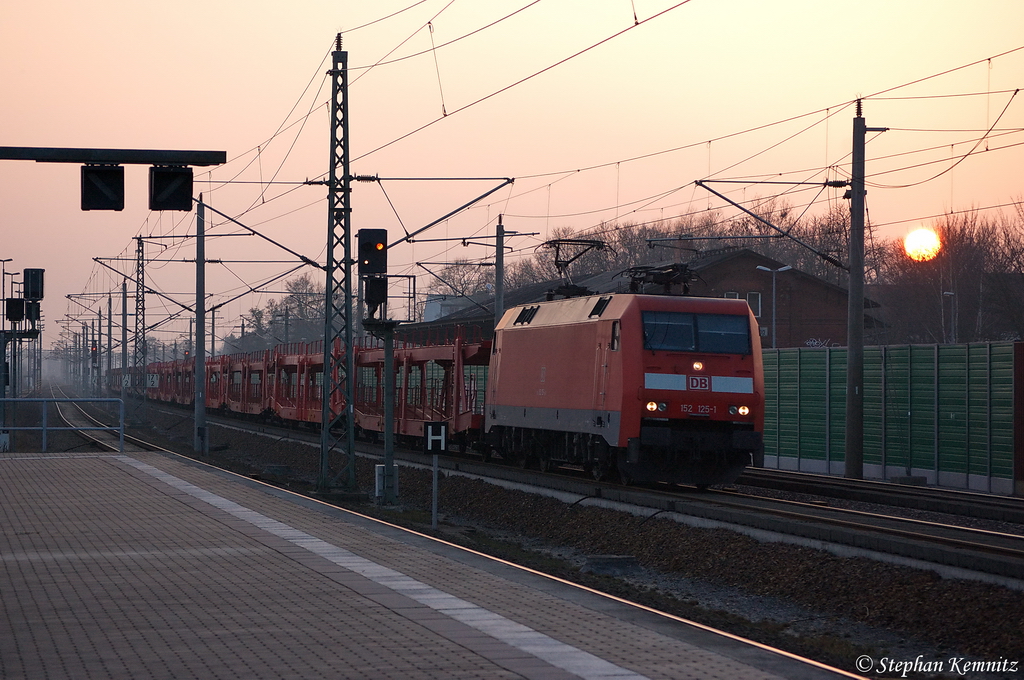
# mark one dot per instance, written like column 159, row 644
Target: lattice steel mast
column 339, row 363
column 140, row 318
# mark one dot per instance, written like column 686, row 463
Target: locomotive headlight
column 744, row 410
column 656, row 406
column 698, row 365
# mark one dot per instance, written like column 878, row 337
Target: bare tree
column 972, row 291
column 305, row 297
column 462, row 277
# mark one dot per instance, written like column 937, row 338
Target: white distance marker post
column 435, row 440
column 433, row 498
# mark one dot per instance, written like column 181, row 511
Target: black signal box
column 15, row 309
column 33, row 284
column 373, row 251
column 102, row 187
column 170, row 188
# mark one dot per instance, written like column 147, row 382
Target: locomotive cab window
column 723, row 333
column 683, row 332
column 669, row 331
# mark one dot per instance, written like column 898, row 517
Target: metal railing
column 47, row 428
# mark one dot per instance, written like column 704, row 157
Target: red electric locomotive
column 664, row 389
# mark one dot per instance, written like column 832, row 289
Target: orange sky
column 228, row 75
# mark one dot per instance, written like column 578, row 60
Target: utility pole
column 110, row 335
column 98, row 364
column 140, row 316
column 201, row 442
column 338, row 371
column 854, row 465
column 499, row 272
column 385, row 328
column 125, row 377
column 86, row 361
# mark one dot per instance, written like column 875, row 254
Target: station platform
column 145, row 565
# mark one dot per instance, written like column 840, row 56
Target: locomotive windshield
column 685, row 332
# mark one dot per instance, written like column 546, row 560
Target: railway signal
column 15, row 309
column 33, row 284
column 102, row 187
column 170, row 177
column 170, row 188
column 373, row 251
column 372, row 247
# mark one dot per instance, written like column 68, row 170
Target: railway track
column 959, row 550
column 73, row 415
column 930, row 499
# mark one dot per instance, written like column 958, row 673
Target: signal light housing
column 15, row 309
column 170, row 188
column 373, row 251
column 102, row 187
column 33, row 284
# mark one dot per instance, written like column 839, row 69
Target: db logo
column 698, row 382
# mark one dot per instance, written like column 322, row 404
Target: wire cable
column 384, row 18
column 962, row 158
column 446, row 44
column 520, row 81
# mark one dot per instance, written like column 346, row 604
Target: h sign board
column 435, row 437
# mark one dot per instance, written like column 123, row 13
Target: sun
column 922, row 245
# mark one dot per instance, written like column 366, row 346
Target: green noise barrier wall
column 952, row 414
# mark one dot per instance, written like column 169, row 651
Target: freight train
column 651, row 388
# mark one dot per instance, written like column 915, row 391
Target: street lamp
column 785, row 268
column 3, row 288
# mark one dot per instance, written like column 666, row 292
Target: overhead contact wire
column 521, row 81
